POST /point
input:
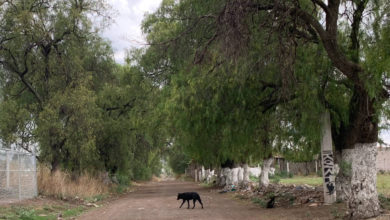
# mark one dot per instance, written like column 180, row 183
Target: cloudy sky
column 125, row 32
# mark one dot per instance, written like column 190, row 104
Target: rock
column 114, row 180
column 92, row 205
column 313, row 205
column 309, row 187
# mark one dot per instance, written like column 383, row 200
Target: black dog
column 271, row 202
column 187, row 196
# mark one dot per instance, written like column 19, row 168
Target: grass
column 383, row 184
column 60, row 185
column 309, row 180
column 40, row 213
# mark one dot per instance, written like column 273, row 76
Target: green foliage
column 275, row 179
column 178, row 161
column 385, row 201
column 62, row 91
column 254, row 178
column 40, row 213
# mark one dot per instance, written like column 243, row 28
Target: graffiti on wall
column 328, row 167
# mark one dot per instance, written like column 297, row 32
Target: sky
column 125, row 32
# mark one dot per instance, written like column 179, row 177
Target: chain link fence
column 18, row 176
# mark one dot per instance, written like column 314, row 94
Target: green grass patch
column 300, row 180
column 254, row 178
column 384, row 201
column 383, row 184
column 39, row 213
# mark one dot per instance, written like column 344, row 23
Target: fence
column 18, row 176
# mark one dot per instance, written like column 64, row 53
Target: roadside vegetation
column 47, row 212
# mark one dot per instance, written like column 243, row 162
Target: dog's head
column 178, row 196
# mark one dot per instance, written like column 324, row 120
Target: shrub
column 275, row 179
column 253, row 178
column 260, row 202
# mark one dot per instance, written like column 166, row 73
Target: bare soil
column 157, row 200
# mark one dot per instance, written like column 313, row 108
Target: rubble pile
column 285, row 195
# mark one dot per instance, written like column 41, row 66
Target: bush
column 384, row 201
column 275, row 179
column 281, row 175
column 178, row 161
column 260, row 202
column 319, row 172
column 142, row 173
column 123, row 179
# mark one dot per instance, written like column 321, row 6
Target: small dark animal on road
column 187, row 196
column 271, row 203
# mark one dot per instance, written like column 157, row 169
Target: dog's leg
column 188, row 202
column 194, row 200
column 182, row 203
column 200, row 201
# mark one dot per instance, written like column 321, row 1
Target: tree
column 131, row 139
column 354, row 90
column 46, row 52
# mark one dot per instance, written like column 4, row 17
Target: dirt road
column 157, row 200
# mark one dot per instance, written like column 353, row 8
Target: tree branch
column 322, row 5
column 357, row 19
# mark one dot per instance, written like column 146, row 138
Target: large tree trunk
column 235, row 176
column 219, row 174
column 240, row 175
column 208, row 176
column 196, row 175
column 343, row 178
column 245, row 176
column 360, row 167
column 203, row 174
column 229, row 177
column 264, row 180
column 224, row 176
column 327, row 160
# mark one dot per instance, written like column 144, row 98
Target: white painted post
column 288, row 167
column 35, row 184
column 327, row 160
column 19, row 171
column 7, row 168
column 203, row 174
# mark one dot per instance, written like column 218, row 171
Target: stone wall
column 383, row 159
column 304, row 168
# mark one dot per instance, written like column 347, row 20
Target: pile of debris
column 284, row 195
